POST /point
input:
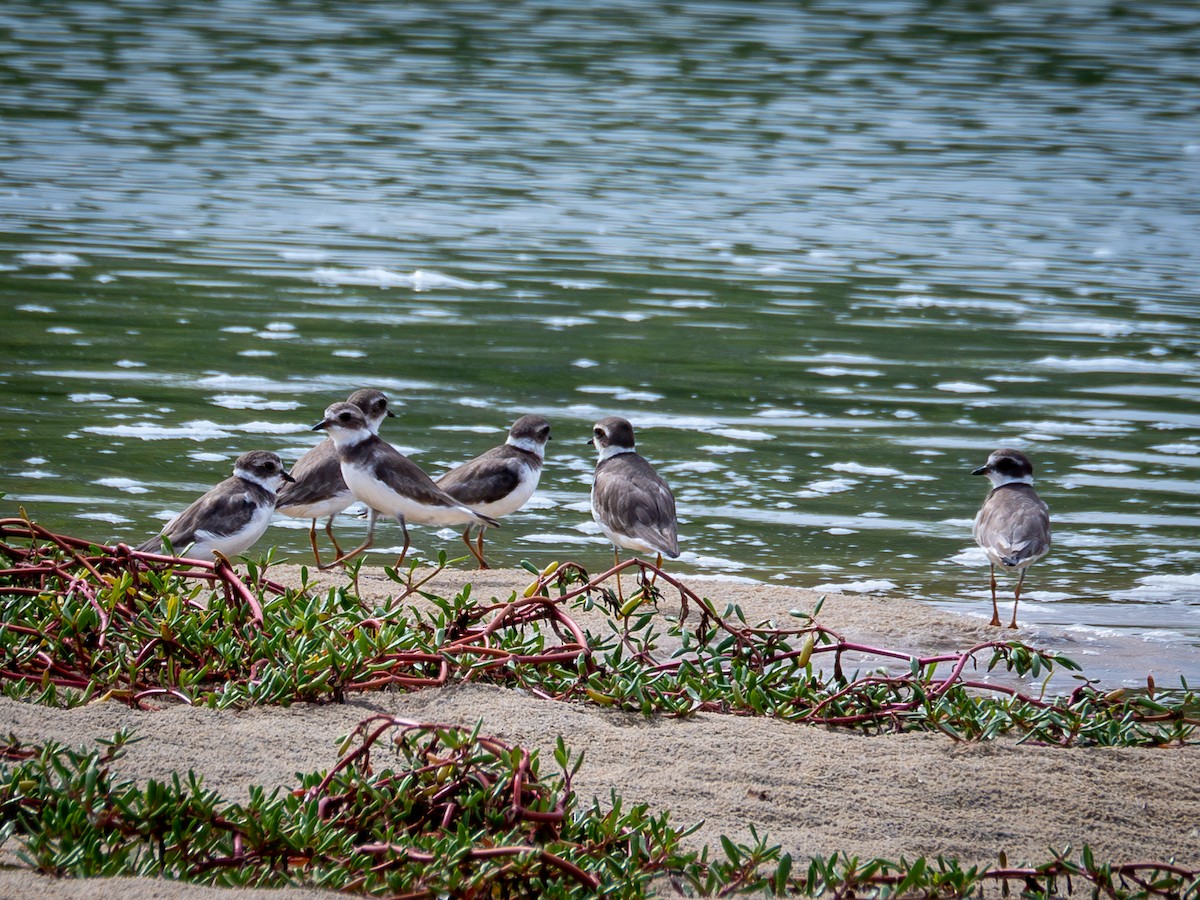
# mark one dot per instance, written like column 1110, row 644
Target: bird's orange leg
column 478, row 554
column 332, row 539
column 995, row 608
column 1017, row 598
column 370, row 539
column 312, row 539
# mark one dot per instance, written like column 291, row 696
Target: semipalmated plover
column 387, row 481
column 1013, row 525
column 631, row 502
column 319, row 490
column 232, row 516
column 501, row 480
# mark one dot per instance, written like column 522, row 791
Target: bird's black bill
column 982, row 470
column 287, row 477
column 320, row 426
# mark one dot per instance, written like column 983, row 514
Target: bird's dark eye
column 345, row 417
column 599, row 432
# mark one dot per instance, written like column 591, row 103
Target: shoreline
column 814, row 790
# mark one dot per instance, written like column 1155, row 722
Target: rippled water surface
column 825, row 256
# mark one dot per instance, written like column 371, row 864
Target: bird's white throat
column 271, row 484
column 528, row 444
column 612, row 450
column 999, row 479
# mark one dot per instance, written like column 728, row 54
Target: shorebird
column 231, row 517
column 1013, row 525
column 631, row 502
column 387, row 481
column 501, row 480
column 319, row 490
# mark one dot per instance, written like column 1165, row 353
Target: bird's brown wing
column 635, row 500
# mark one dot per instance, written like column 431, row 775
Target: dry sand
column 813, row 790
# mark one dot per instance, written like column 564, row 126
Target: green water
column 825, row 257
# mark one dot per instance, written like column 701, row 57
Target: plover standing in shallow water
column 387, row 481
column 501, row 480
column 319, row 490
column 631, row 502
column 1013, row 525
column 231, row 517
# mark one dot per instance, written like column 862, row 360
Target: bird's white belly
column 319, row 509
column 380, row 497
column 235, row 544
column 514, row 501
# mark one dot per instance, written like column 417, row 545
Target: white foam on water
column 702, row 466
column 196, row 430
column 1015, row 379
column 418, row 280
column 254, row 354
column 89, row 398
column 964, row 387
column 711, row 562
column 1044, row 596
column 600, row 389
column 1163, row 589
column 129, row 364
column 1178, row 449
column 579, row 285
column 740, row 434
column 841, row 531
column 63, row 329
column 206, row 456
column 1118, row 364
column 857, row 469
column 36, row 473
column 238, row 329
column 924, row 301
column 558, row 538
column 558, row 322
column 1109, row 328
column 839, row 371
column 829, row 486
column 584, row 363
column 304, row 254
column 60, row 259
column 349, row 354
column 851, row 359
column 1092, row 428
column 252, row 401
column 724, row 448
column 35, row 308
column 474, row 429
column 111, row 518
column 540, row 501
column 869, row 586
column 1110, row 468
column 971, row 557
column 128, row 485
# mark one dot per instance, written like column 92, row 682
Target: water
column 824, row 256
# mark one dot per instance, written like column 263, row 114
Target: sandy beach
column 814, row 790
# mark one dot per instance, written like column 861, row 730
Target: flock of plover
column 631, row 502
